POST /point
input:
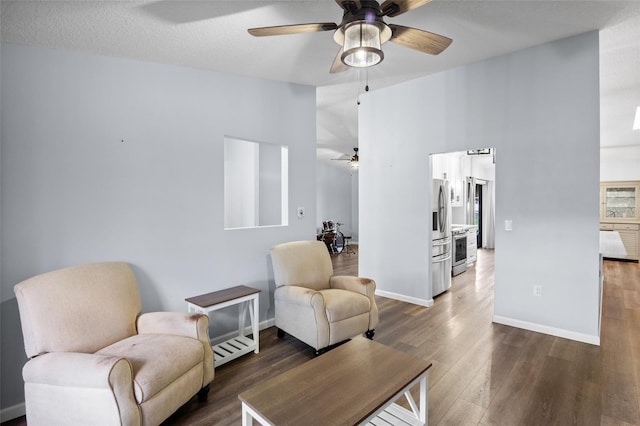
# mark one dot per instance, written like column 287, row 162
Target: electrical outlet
column 300, row 212
column 508, row 225
column 537, row 290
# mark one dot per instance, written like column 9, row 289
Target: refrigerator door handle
column 443, row 243
column 442, row 260
column 441, row 210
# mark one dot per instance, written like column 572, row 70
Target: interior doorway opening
column 471, row 179
column 478, row 211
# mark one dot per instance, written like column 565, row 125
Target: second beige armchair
column 314, row 305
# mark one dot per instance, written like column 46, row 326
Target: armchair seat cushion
column 341, row 304
column 157, row 360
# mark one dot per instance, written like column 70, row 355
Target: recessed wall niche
column 255, row 184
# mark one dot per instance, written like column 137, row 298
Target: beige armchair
column 315, row 306
column 95, row 360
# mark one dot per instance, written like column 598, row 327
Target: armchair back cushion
column 302, row 263
column 58, row 310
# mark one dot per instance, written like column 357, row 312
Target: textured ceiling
column 212, row 35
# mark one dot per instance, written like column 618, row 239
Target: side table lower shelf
column 248, row 300
column 233, row 348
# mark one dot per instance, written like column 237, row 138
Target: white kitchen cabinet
column 620, row 212
column 448, row 166
column 472, row 245
column 620, row 202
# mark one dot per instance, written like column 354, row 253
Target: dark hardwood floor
column 483, row 373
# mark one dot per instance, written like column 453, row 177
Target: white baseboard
column 12, row 412
column 538, row 328
column 414, row 300
column 261, row 326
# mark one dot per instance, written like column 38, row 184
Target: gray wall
column 111, row 159
column 540, row 108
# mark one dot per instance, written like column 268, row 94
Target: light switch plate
column 508, row 225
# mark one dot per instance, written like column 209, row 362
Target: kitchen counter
column 465, row 227
column 611, row 245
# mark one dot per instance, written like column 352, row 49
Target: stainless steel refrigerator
column 440, row 237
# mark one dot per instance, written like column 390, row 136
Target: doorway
column 478, row 214
column 471, row 175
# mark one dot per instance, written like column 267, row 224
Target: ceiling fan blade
column 292, row 29
column 350, row 5
column 337, row 65
column 421, row 40
column 396, row 7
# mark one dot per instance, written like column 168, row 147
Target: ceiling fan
column 363, row 30
column 353, row 160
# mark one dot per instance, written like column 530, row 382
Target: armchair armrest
column 301, row 312
column 191, row 325
column 360, row 285
column 364, row 286
column 178, row 323
column 80, row 388
column 77, row 370
column 299, row 296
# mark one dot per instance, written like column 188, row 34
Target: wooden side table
column 248, row 300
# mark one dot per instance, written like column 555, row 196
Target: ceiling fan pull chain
column 366, row 87
column 360, row 71
column 366, row 83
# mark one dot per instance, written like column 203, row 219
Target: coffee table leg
column 421, row 412
column 424, row 399
column 248, row 414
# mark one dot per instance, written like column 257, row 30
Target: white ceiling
column 212, row 35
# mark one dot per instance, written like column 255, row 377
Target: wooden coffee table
column 349, row 385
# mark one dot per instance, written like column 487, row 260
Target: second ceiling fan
column 362, row 32
column 353, row 160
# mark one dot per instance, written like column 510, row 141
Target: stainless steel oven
column 459, row 263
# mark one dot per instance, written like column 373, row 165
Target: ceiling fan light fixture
column 361, row 46
column 354, row 159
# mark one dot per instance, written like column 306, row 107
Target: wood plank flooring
column 483, row 373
